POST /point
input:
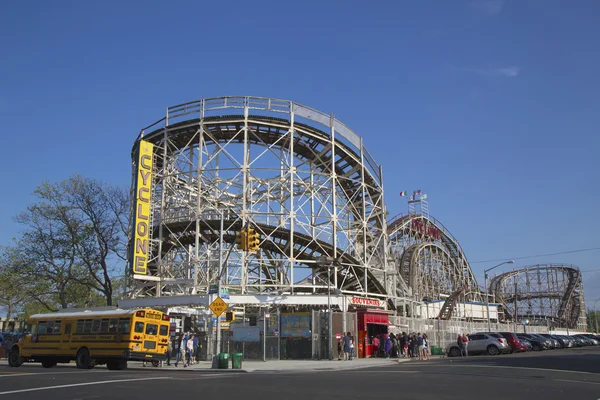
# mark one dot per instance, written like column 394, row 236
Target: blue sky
column 490, row 107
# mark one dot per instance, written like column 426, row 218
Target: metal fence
column 441, row 333
column 341, row 323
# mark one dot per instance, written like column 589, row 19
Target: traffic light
column 252, row 240
column 229, row 316
column 241, row 240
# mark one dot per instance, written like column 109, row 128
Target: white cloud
column 486, row 7
column 506, row 72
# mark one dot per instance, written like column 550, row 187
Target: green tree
column 74, row 243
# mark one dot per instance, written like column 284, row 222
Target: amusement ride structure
column 544, row 294
column 306, row 184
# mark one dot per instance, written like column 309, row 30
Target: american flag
column 416, row 192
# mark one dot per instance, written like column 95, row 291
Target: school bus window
column 151, row 329
column 87, row 326
column 104, row 326
column 56, row 330
column 112, row 325
column 79, row 328
column 139, row 327
column 50, row 327
column 41, row 328
column 164, row 330
column 67, row 329
column 124, row 325
column 95, row 326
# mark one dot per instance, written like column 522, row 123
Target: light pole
column 328, row 262
column 596, row 315
column 525, row 323
column 487, row 299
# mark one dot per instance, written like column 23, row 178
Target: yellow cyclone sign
column 142, row 208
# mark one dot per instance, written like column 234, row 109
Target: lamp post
column 328, row 262
column 525, row 323
column 487, row 299
column 596, row 315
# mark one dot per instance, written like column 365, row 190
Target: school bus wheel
column 14, row 357
column 83, row 359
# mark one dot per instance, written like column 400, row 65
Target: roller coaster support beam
column 487, row 298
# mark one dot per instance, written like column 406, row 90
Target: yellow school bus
column 93, row 338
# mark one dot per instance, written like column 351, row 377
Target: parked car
column 536, row 343
column 526, row 343
column 513, row 341
column 482, row 343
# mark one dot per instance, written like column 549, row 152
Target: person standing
column 375, row 342
column 465, row 340
column 347, row 341
column 189, row 350
column 340, row 348
column 195, row 351
column 425, row 352
column 387, row 346
column 169, row 351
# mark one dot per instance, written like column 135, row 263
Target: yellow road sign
column 218, row 306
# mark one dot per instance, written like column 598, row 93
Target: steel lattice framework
column 430, row 260
column 300, row 177
column 544, row 294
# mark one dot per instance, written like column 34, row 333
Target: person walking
column 340, row 348
column 180, row 346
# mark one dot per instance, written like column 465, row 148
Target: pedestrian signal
column 229, row 316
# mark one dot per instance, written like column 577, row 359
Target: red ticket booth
column 371, row 322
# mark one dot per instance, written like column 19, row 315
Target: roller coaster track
column 277, row 239
column 402, row 226
column 309, row 145
column 570, row 296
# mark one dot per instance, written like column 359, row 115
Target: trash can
column 223, row 360
column 437, row 351
column 236, row 360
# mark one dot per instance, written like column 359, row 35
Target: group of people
column 412, row 345
column 186, row 349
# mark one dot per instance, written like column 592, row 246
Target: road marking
column 570, row 380
column 81, row 384
column 11, row 374
column 531, row 368
column 384, row 372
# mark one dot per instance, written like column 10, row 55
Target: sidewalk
column 286, row 365
column 260, row 366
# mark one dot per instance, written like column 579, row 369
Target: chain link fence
column 441, row 333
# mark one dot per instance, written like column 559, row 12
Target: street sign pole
column 218, row 347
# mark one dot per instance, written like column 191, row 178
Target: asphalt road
column 559, row 374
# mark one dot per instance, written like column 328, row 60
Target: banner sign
column 142, row 208
column 366, row 302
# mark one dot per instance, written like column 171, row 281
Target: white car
column 481, row 343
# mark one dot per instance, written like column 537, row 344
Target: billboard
column 295, row 325
column 141, row 218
